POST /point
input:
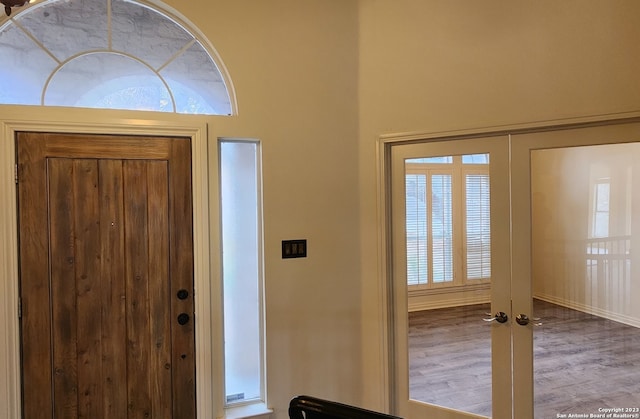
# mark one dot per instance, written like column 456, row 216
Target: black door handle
column 183, row 318
column 500, row 317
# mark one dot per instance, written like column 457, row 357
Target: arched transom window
column 116, row 54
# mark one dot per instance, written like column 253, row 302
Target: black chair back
column 307, row 407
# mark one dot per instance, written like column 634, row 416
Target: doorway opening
column 556, row 321
column 50, row 120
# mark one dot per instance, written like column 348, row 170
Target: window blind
column 478, row 226
column 441, row 228
column 416, row 213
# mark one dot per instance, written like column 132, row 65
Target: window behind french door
column 447, row 216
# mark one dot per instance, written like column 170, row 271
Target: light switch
column 294, row 249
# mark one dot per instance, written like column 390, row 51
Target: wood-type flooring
column 582, row 363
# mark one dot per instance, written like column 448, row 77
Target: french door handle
column 500, row 317
column 522, row 319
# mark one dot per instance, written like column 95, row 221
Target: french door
column 520, row 304
column 435, row 180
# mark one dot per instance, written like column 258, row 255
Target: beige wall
column 431, row 66
column 294, row 67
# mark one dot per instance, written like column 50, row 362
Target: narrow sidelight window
column 242, row 271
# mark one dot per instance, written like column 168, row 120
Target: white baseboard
column 607, row 314
column 446, row 302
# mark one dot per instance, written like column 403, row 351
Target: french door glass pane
column 449, row 346
column 585, row 228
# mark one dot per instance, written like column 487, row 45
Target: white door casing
column 16, row 119
column 608, row 129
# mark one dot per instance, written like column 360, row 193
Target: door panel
column 579, row 236
column 67, row 367
column 449, row 366
column 101, row 266
column 113, row 305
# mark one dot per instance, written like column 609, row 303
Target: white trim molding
column 386, row 312
column 9, row 327
column 18, row 118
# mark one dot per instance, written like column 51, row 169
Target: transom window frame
column 214, row 95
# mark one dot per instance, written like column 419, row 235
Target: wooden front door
column 106, row 276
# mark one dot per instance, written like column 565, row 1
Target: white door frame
column 37, row 119
column 385, row 268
